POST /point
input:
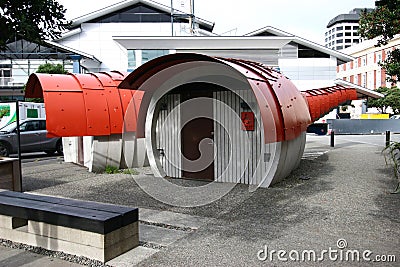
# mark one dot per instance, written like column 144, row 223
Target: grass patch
column 115, row 170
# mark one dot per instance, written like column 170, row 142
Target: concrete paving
column 337, row 194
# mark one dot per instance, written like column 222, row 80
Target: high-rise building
column 342, row 30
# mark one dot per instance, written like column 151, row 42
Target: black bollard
column 387, row 138
column 332, row 138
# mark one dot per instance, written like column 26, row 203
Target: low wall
column 346, row 126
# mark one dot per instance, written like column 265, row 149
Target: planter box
column 10, row 174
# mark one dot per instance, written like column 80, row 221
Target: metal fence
column 365, row 126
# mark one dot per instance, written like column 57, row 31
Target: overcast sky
column 305, row 18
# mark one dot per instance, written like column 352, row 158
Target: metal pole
column 332, row 138
column 387, row 138
column 191, row 16
column 172, row 17
column 19, row 142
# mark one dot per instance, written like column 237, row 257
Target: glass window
column 29, row 126
column 347, row 28
column 339, row 47
column 356, row 41
column 131, row 60
column 347, row 46
column 347, row 41
column 339, row 28
column 355, row 33
column 347, row 33
column 339, row 34
column 42, row 125
column 339, row 41
column 148, row 55
column 355, row 27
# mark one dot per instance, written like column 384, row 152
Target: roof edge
column 360, row 90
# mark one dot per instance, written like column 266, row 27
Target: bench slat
column 93, row 218
column 129, row 214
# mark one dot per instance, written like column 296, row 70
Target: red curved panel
column 321, row 101
column 71, row 110
column 115, row 111
column 88, row 81
column 270, row 115
column 97, row 113
column 65, row 114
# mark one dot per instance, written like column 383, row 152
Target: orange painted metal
column 321, row 101
column 97, row 103
column 80, row 104
column 65, row 114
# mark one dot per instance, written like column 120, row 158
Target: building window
column 131, row 60
column 339, row 34
column 339, row 28
column 347, row 46
column 339, row 41
column 355, row 33
column 5, row 74
column 379, row 57
column 330, row 31
column 364, row 80
column 356, row 79
column 148, row 55
column 378, row 78
column 347, row 41
column 333, row 30
column 347, row 33
column 356, row 41
column 339, row 47
column 355, row 28
column 364, row 62
column 347, row 28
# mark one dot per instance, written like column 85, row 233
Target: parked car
column 33, row 138
column 395, row 117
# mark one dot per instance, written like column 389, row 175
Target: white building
column 342, row 30
column 364, row 70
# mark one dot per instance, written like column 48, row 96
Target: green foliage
column 383, row 22
column 391, row 99
column 32, row 20
column 111, row 170
column 392, row 155
column 115, row 170
column 51, row 69
column 130, row 171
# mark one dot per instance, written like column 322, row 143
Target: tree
column 391, row 99
column 32, row 20
column 51, row 69
column 384, row 23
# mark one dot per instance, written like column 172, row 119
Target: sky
column 305, row 18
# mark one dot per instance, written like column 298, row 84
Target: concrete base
column 10, row 174
column 72, row 241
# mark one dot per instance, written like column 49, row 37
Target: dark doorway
column 197, row 134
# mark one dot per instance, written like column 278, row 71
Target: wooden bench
column 94, row 230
